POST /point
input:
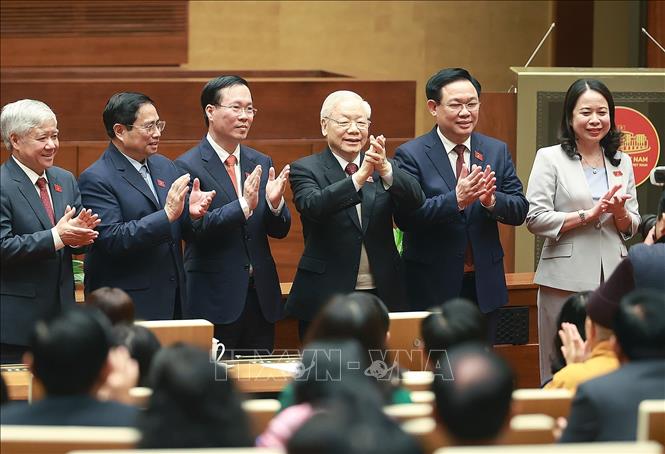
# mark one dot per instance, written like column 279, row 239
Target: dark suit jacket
column 605, row 408
column 218, row 258
column 36, row 281
column 436, row 234
column 79, row 410
column 137, row 250
column 326, row 200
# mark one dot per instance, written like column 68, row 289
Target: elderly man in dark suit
column 346, row 199
column 451, row 244
column 141, row 198
column 231, row 275
column 39, row 225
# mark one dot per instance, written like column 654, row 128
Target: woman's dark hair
column 360, row 316
column 573, row 311
column 114, row 302
column 194, row 403
column 612, row 139
column 454, row 322
column 142, row 345
column 333, row 368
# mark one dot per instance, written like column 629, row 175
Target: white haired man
column 41, row 222
column 346, row 199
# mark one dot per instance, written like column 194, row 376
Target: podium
column 540, row 95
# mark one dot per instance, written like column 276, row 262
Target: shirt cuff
column 277, row 210
column 245, row 207
column 388, row 179
column 57, row 241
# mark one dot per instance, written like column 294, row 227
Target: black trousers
column 469, row 292
column 251, row 334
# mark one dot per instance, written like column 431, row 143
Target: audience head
column 455, row 322
column 132, row 122
column 4, row 392
column 473, row 395
column 639, row 325
column 350, row 426
column 345, row 121
column 141, row 344
column 30, row 133
column 193, row 405
column 453, row 98
column 69, row 352
column 114, row 302
column 589, row 100
column 573, row 311
column 359, row 315
column 659, row 228
column 228, row 110
column 332, row 369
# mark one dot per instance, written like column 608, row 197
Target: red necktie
column 230, row 164
column 351, row 168
column 46, row 201
column 459, row 149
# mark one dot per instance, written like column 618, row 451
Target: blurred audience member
column 455, row 322
column 583, row 360
column 605, row 408
column 71, row 357
column 473, row 395
column 363, row 317
column 142, row 345
column 194, row 404
column 114, row 302
column 573, row 312
column 329, row 371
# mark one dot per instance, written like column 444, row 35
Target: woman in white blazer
column 582, row 199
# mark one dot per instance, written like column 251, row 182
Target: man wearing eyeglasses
column 346, row 199
column 231, row 275
column 451, row 244
column 141, row 198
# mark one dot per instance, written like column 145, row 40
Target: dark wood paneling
column 100, row 32
column 573, row 35
column 656, row 28
column 287, row 109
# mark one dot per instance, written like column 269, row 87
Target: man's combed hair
column 21, row 116
column 445, row 77
column 122, row 108
column 212, row 91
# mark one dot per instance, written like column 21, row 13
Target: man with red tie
column 451, row 243
column 346, row 198
column 41, row 225
column 231, row 275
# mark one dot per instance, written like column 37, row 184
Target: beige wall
column 616, row 34
column 376, row 40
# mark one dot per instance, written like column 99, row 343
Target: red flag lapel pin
column 618, row 173
column 57, row 188
column 161, row 183
column 370, row 179
column 479, row 156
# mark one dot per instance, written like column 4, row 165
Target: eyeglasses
column 238, row 110
column 363, row 125
column 150, row 127
column 456, row 107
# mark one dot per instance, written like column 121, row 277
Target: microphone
column 540, row 44
column 652, row 39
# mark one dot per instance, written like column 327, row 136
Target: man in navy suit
column 37, row 240
column 231, row 275
column 451, row 244
column 140, row 197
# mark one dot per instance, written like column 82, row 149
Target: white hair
column 337, row 97
column 22, row 116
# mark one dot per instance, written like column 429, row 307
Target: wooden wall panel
column 100, row 32
column 656, row 28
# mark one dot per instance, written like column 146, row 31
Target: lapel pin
column 161, row 183
column 617, row 173
column 370, row 179
column 57, row 188
column 478, row 155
